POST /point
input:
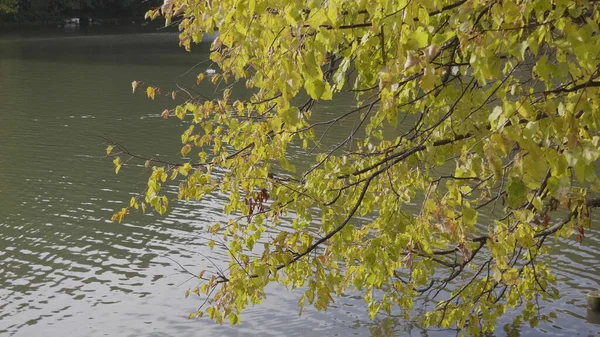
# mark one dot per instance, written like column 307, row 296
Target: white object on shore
column 72, row 21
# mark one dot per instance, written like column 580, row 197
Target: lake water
column 66, row 270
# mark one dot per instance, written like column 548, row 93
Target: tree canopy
column 9, row 6
column 503, row 94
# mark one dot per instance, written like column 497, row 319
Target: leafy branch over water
column 502, row 94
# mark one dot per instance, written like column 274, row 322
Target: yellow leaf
column 510, row 276
column 185, row 150
column 118, row 163
column 151, row 92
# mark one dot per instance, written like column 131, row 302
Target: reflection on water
column 593, row 317
column 65, row 269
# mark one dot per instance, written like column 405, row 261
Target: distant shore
column 97, row 27
column 58, row 22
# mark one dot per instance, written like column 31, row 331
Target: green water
column 65, row 270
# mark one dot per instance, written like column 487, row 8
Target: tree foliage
column 504, row 94
column 9, row 6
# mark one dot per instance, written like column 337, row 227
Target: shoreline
column 60, row 23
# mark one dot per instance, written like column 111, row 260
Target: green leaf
column 429, row 78
column 517, row 192
column 234, row 318
column 469, row 216
column 315, row 88
column 421, row 37
column 441, row 38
